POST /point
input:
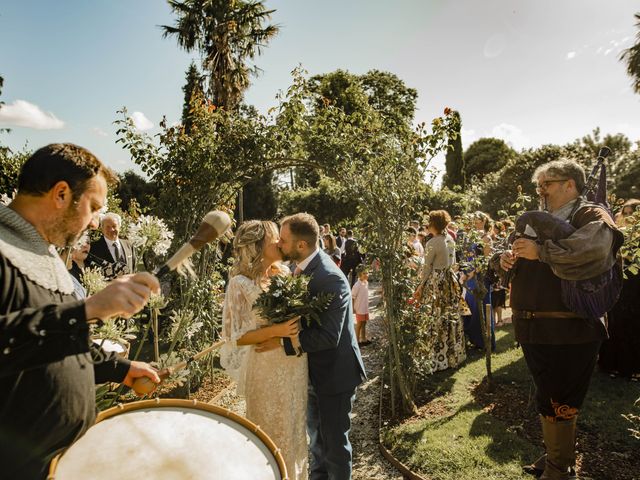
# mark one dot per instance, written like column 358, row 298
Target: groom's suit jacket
column 335, row 364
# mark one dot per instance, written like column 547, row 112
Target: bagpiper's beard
column 67, row 226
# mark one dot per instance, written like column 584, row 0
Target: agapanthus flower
column 150, row 233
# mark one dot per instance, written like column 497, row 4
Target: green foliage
column 632, row 58
column 329, row 202
column 193, row 90
column 454, row 160
column 10, row 165
column 227, row 34
column 260, row 201
column 134, row 187
column 627, row 183
column 496, row 192
column 288, row 297
column 484, row 156
column 197, row 172
column 452, row 201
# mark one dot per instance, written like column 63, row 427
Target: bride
column 273, row 384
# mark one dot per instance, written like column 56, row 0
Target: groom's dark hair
column 303, row 226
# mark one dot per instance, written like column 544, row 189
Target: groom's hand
column 267, row 345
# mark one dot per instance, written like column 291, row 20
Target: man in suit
column 351, row 259
column 114, row 255
column 341, row 239
column 335, row 365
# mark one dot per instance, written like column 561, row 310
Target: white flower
column 151, row 232
column 6, row 199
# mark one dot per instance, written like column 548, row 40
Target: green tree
column 135, row 187
column 454, row 160
column 632, row 57
column 227, row 34
column 193, row 91
column 329, row 201
column 382, row 168
column 260, row 199
column 497, row 192
column 486, row 155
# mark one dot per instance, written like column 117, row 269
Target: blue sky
column 530, row 72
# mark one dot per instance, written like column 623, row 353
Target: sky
column 531, row 72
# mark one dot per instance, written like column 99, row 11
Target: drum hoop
column 177, row 402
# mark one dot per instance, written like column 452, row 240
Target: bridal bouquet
column 288, row 297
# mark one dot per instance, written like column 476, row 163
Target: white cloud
column 571, row 55
column 98, row 131
column 512, row 135
column 24, row 114
column 141, row 122
column 468, row 137
column 495, row 45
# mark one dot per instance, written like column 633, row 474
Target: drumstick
column 144, row 385
column 214, row 225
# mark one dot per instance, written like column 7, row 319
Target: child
column 360, row 295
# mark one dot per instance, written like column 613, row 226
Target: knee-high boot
column 560, row 442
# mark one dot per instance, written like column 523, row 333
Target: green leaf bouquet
column 288, row 297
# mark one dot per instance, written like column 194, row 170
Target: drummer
column 48, row 366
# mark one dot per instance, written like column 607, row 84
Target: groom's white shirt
column 305, row 263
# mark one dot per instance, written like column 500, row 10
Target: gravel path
column 368, row 463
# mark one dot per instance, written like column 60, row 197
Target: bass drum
column 170, row 439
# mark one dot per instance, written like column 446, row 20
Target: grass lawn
column 464, row 432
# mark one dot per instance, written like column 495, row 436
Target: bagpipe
column 588, row 298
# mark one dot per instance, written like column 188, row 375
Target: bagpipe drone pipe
column 587, row 298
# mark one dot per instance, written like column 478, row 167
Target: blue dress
column 472, row 325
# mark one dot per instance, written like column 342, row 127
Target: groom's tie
column 297, row 271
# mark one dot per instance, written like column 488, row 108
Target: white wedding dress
column 273, row 384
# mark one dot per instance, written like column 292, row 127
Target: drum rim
column 178, row 402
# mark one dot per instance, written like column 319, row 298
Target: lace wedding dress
column 273, row 384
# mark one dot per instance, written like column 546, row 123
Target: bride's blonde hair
column 248, row 246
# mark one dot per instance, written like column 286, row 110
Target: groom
column 335, row 365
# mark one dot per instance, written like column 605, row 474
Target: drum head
column 171, row 439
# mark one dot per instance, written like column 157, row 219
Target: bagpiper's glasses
column 545, row 184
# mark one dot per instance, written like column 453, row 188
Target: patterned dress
column 442, row 292
column 273, row 384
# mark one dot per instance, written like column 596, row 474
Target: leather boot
column 560, row 441
column 537, row 467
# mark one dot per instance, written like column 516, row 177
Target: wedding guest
column 332, row 250
column 360, row 295
column 439, row 288
column 79, row 254
column 483, row 246
column 114, row 255
column 341, row 240
column 412, row 239
column 352, row 258
column 619, row 354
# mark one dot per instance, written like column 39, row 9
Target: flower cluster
column 150, row 233
column 288, row 297
column 93, row 280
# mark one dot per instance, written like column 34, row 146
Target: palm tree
column 632, row 57
column 228, row 34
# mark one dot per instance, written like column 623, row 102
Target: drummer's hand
column 507, row 259
column 124, row 297
column 140, row 369
column 526, row 248
column 267, row 345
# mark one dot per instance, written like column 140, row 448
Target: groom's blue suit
column 335, row 370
